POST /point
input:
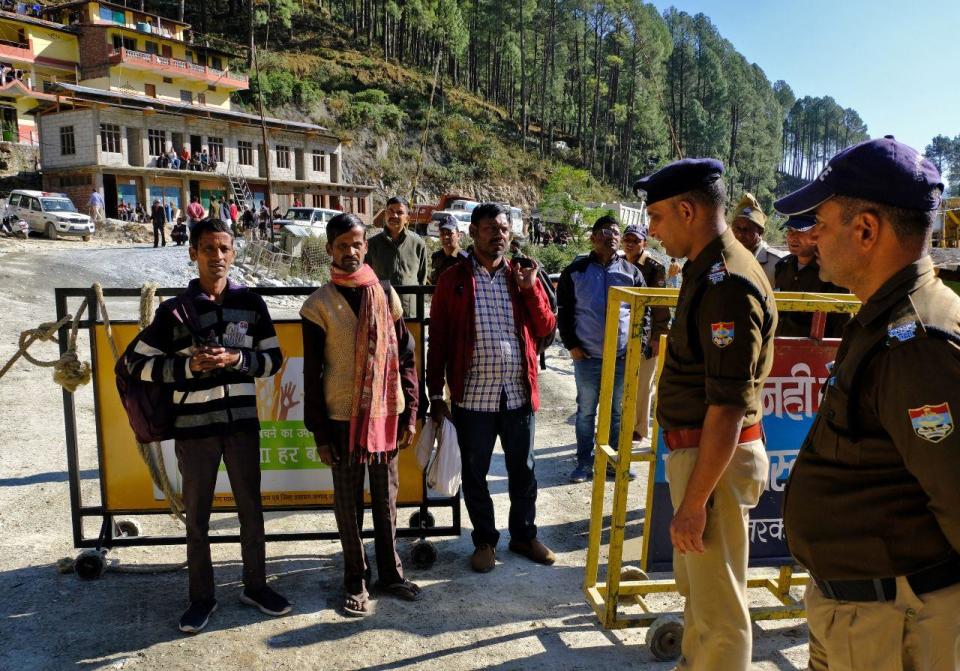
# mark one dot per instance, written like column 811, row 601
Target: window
column 150, row 47
column 110, row 138
column 186, row 96
column 202, row 98
column 150, row 90
column 117, row 42
column 215, row 145
column 67, row 145
column 168, row 80
column 361, row 205
column 35, row 205
column 157, row 140
column 211, row 87
column 14, row 200
column 244, row 152
column 216, row 63
column 188, row 56
column 283, row 156
column 319, row 160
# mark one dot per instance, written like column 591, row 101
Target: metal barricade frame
column 632, row 583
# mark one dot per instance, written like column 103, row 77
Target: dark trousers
column 477, row 432
column 159, row 233
column 199, row 460
column 348, row 477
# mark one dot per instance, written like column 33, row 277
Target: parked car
column 462, row 217
column 52, row 214
column 313, row 218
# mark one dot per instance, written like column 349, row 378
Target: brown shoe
column 534, row 550
column 484, row 558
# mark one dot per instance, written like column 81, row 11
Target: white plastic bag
column 425, row 443
column 444, row 474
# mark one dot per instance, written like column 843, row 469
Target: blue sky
column 890, row 61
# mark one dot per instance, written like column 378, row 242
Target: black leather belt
column 931, row 579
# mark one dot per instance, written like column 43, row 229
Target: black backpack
column 149, row 405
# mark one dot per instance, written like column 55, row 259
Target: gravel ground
column 521, row 616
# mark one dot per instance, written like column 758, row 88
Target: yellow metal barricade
column 633, row 584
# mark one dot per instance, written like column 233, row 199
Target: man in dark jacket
column 449, row 252
column 159, row 218
column 397, row 254
column 210, row 344
column 486, row 317
column 581, row 318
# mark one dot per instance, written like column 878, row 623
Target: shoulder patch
column 721, row 333
column 718, row 273
column 933, row 423
column 903, row 331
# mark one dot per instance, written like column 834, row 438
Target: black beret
column 679, row 177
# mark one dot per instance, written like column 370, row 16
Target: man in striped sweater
column 210, row 343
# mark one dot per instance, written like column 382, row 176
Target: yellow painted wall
column 122, row 78
column 51, row 44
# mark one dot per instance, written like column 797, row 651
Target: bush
column 555, row 258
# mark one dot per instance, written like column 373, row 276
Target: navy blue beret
column 881, row 171
column 679, row 177
column 801, row 222
column 634, row 229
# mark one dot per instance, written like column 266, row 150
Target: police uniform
column 883, row 455
column 720, row 350
column 790, row 276
column 748, row 208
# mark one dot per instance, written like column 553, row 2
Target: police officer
column 799, row 271
column 883, row 454
column 749, row 224
column 708, row 403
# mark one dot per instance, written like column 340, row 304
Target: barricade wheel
column 129, row 528
column 424, row 554
column 427, row 523
column 633, row 573
column 90, row 564
column 664, row 637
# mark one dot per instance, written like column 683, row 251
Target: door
column 196, row 144
column 35, row 215
column 110, row 195
column 166, row 51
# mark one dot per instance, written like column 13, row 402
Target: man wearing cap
column 884, row 450
column 749, row 223
column 719, row 353
column 449, row 252
column 581, row 321
column 799, row 271
column 654, row 275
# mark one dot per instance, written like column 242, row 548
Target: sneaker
column 581, row 473
column 268, row 601
column 534, row 550
column 197, row 615
column 484, row 558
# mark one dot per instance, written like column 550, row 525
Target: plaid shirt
column 497, row 364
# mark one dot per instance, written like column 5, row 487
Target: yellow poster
column 292, row 473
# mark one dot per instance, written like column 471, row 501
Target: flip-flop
column 355, row 605
column 406, row 590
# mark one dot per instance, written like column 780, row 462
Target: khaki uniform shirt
column 402, row 263
column 790, row 276
column 720, row 348
column 768, row 259
column 883, row 454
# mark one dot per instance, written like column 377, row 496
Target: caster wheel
column 664, row 637
column 90, row 564
column 424, row 554
column 129, row 528
column 427, row 523
column 632, row 573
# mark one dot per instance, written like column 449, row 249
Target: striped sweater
column 217, row 402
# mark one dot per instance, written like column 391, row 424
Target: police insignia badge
column 722, row 333
column 932, row 422
column 903, row 332
column 717, row 272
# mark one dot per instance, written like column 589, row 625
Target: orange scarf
column 377, row 401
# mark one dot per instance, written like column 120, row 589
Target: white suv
column 51, row 213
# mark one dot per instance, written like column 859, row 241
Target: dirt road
column 521, row 616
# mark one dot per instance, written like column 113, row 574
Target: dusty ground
column 521, row 616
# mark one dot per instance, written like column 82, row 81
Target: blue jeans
column 477, row 432
column 587, row 376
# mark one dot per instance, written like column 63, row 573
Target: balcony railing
column 178, row 67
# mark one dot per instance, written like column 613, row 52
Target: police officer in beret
column 883, row 454
column 749, row 224
column 799, row 271
column 720, row 350
column 449, row 253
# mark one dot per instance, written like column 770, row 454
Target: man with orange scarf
column 360, row 398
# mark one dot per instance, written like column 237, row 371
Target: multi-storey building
column 142, row 86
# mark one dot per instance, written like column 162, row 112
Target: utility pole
column 263, row 128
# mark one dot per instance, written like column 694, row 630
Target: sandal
column 405, row 589
column 355, row 605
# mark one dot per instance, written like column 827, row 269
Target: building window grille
column 319, row 160
column 157, row 139
column 215, row 145
column 283, row 156
column 110, row 138
column 244, row 152
column 68, row 146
